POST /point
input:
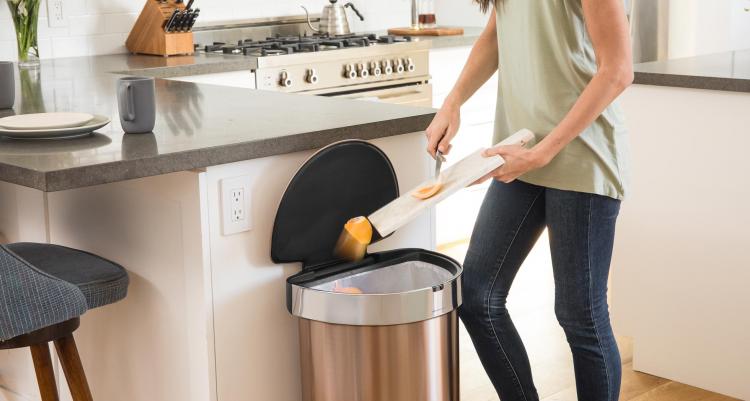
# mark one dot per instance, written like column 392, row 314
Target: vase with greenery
column 25, row 15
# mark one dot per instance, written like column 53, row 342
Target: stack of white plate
column 51, row 125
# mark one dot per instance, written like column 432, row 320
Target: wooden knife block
column 148, row 35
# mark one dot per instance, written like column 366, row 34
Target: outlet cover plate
column 56, row 16
column 229, row 207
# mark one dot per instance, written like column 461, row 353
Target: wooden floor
column 531, row 306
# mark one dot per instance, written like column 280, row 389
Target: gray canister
column 7, row 85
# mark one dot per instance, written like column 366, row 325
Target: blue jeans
column 581, row 231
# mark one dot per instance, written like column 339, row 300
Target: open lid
column 344, row 180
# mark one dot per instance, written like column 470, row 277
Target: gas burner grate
column 279, row 45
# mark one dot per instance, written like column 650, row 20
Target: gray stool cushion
column 101, row 281
column 31, row 299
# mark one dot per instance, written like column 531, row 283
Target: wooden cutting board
column 402, row 210
column 437, row 31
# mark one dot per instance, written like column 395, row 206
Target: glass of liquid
column 427, row 14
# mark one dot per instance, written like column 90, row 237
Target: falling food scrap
column 354, row 239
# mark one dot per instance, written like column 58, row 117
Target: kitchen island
column 681, row 265
column 205, row 318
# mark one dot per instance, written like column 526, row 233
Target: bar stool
column 44, row 289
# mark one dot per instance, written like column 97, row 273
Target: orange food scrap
column 348, row 290
column 359, row 228
column 427, row 191
column 345, row 290
column 354, row 239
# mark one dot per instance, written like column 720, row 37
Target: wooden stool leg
column 71, row 364
column 45, row 376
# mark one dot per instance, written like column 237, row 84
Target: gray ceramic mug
column 136, row 101
column 7, row 85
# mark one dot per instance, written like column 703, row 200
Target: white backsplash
column 101, row 26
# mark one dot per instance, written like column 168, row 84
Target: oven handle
column 410, row 94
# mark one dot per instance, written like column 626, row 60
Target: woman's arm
column 608, row 28
column 482, row 63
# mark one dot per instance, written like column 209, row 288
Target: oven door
column 413, row 95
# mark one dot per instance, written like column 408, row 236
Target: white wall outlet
column 56, row 16
column 236, row 203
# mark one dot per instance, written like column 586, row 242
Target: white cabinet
column 455, row 216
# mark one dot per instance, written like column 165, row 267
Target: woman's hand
column 518, row 161
column 443, row 129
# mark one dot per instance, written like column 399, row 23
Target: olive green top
column 546, row 59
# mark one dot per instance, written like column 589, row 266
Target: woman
column 561, row 65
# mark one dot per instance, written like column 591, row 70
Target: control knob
column 410, row 65
column 284, row 80
column 375, row 69
column 363, row 72
column 350, row 72
column 312, row 76
column 399, row 65
column 387, row 68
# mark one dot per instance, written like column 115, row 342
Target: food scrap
column 354, row 239
column 427, row 191
column 345, row 290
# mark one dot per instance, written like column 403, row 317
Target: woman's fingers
column 434, row 136
column 483, row 179
column 445, row 141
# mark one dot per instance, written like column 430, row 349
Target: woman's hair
column 484, row 5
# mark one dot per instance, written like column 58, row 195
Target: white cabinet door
column 740, row 36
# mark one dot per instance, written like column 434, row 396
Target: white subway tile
column 7, row 31
column 86, row 25
column 71, row 46
column 45, row 48
column 119, row 23
column 4, row 12
column 114, row 7
column 8, row 50
column 45, row 31
column 109, row 44
column 75, row 8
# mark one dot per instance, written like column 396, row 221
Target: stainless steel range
column 285, row 57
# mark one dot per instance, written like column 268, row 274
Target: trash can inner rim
column 394, row 278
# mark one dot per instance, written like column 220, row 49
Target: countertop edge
column 87, row 176
column 692, row 81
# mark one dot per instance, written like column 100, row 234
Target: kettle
column 333, row 19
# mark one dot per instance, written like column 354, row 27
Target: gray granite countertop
column 728, row 71
column 197, row 125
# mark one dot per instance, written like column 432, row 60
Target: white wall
column 101, row 26
column 702, row 27
column 459, row 13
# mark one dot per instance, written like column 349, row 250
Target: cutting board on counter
column 437, row 31
column 405, row 208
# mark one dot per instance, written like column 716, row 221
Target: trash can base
column 406, row 362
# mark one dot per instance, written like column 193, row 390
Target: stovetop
column 280, row 45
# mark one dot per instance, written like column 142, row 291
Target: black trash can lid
column 344, row 180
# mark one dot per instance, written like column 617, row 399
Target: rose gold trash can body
column 406, row 362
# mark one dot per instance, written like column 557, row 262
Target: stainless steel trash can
column 381, row 329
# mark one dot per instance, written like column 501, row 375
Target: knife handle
column 170, row 21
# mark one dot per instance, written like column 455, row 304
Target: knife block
column 148, row 35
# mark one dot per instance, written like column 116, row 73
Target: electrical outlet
column 56, row 16
column 235, row 194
